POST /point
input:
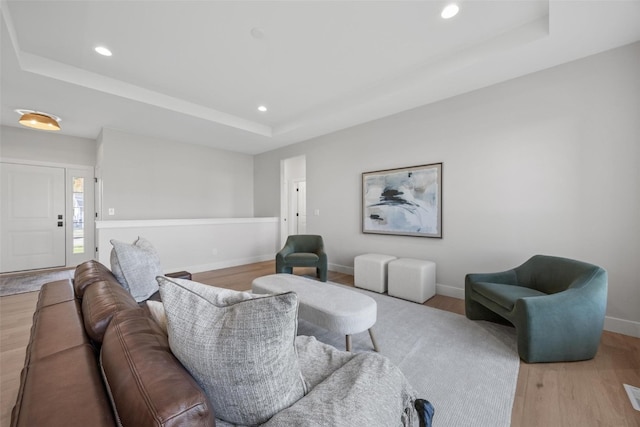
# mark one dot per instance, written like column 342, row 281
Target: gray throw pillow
column 136, row 267
column 238, row 346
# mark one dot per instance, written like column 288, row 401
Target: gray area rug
column 467, row 369
column 30, row 282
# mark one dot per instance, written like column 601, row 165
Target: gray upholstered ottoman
column 324, row 304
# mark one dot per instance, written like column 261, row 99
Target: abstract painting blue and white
column 406, row 201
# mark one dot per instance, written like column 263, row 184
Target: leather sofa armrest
column 147, row 384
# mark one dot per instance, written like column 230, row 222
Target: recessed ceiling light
column 262, row 109
column 103, row 51
column 450, row 11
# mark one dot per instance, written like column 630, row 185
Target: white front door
column 32, row 211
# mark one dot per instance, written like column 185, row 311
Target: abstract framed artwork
column 405, row 201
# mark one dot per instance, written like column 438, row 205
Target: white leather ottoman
column 412, row 279
column 370, row 271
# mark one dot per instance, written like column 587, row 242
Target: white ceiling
column 192, row 71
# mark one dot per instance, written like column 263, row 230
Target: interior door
column 32, row 210
column 301, row 202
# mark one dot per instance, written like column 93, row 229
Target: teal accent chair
column 557, row 306
column 303, row 250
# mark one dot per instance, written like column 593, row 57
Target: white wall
column 41, row 146
column 543, row 164
column 149, row 178
column 196, row 245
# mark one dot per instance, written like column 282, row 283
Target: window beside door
column 78, row 215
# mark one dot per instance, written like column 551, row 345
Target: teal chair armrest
column 477, row 311
column 281, row 265
column 503, row 277
column 564, row 326
column 287, row 249
column 323, row 265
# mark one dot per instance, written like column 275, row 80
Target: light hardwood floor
column 584, row 394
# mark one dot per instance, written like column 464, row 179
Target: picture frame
column 403, row 201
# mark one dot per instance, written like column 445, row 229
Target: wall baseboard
column 611, row 324
column 449, row 291
column 340, row 268
column 446, row 290
column 622, row 326
column 224, row 264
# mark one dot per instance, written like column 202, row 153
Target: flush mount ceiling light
column 262, row 109
column 38, row 120
column 450, row 11
column 103, row 51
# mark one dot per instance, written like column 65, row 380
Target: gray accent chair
column 303, row 250
column 557, row 306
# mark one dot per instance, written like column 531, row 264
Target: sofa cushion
column 303, row 259
column 147, row 384
column 136, row 267
column 504, row 295
column 241, row 351
column 55, row 328
column 319, row 360
column 88, row 273
column 101, row 301
column 63, row 389
column 368, row 390
column 54, row 293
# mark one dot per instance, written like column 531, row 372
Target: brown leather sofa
column 97, row 358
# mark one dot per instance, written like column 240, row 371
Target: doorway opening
column 293, row 197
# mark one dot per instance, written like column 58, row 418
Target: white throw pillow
column 136, row 267
column 156, row 309
column 238, row 346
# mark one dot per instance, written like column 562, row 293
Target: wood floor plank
column 16, row 314
column 519, row 402
column 583, row 394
